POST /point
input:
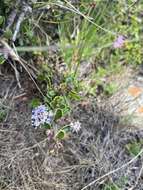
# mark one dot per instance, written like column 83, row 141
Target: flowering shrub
column 42, row 116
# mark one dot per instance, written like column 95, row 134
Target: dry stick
column 16, row 74
column 8, row 131
column 23, row 62
column 8, row 52
column 12, row 16
column 19, row 96
column 113, row 171
column 26, row 8
column 11, row 19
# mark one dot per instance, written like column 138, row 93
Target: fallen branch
column 26, row 9
column 12, row 16
column 6, row 51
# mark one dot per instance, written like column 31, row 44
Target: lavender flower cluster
column 41, row 115
column 119, row 42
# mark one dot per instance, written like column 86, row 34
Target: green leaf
column 58, row 102
column 2, row 115
column 2, row 60
column 34, row 103
column 69, row 79
column 133, row 148
column 66, row 109
column 110, row 89
column 52, row 93
column 8, row 34
column 73, row 95
column 30, row 34
column 111, row 186
column 1, row 19
column 47, row 126
column 58, row 114
column 61, row 134
column 66, row 128
column 101, row 72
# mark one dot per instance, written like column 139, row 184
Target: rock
column 128, row 100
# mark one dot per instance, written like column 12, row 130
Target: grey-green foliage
column 79, row 36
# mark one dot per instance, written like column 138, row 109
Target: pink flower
column 119, row 42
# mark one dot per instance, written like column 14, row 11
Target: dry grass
column 27, row 162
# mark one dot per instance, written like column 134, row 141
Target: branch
column 26, row 9
column 7, row 51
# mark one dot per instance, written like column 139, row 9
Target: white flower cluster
column 75, row 126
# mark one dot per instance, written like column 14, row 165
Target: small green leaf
column 61, row 134
column 66, row 128
column 34, row 103
column 69, row 79
column 111, row 187
column 8, row 34
column 2, row 115
column 47, row 126
column 58, row 101
column 2, row 60
column 52, row 93
column 133, row 148
column 110, row 89
column 58, row 114
column 66, row 110
column 30, row 34
column 1, row 19
column 73, row 95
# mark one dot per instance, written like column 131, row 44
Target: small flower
column 41, row 115
column 75, row 126
column 119, row 42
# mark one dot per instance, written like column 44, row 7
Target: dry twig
column 26, row 9
column 113, row 171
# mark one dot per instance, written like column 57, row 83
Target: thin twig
column 113, row 171
column 11, row 19
column 12, row 16
column 17, row 76
column 7, row 51
column 23, row 62
column 19, row 96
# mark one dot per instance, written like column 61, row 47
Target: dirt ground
column 26, row 159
